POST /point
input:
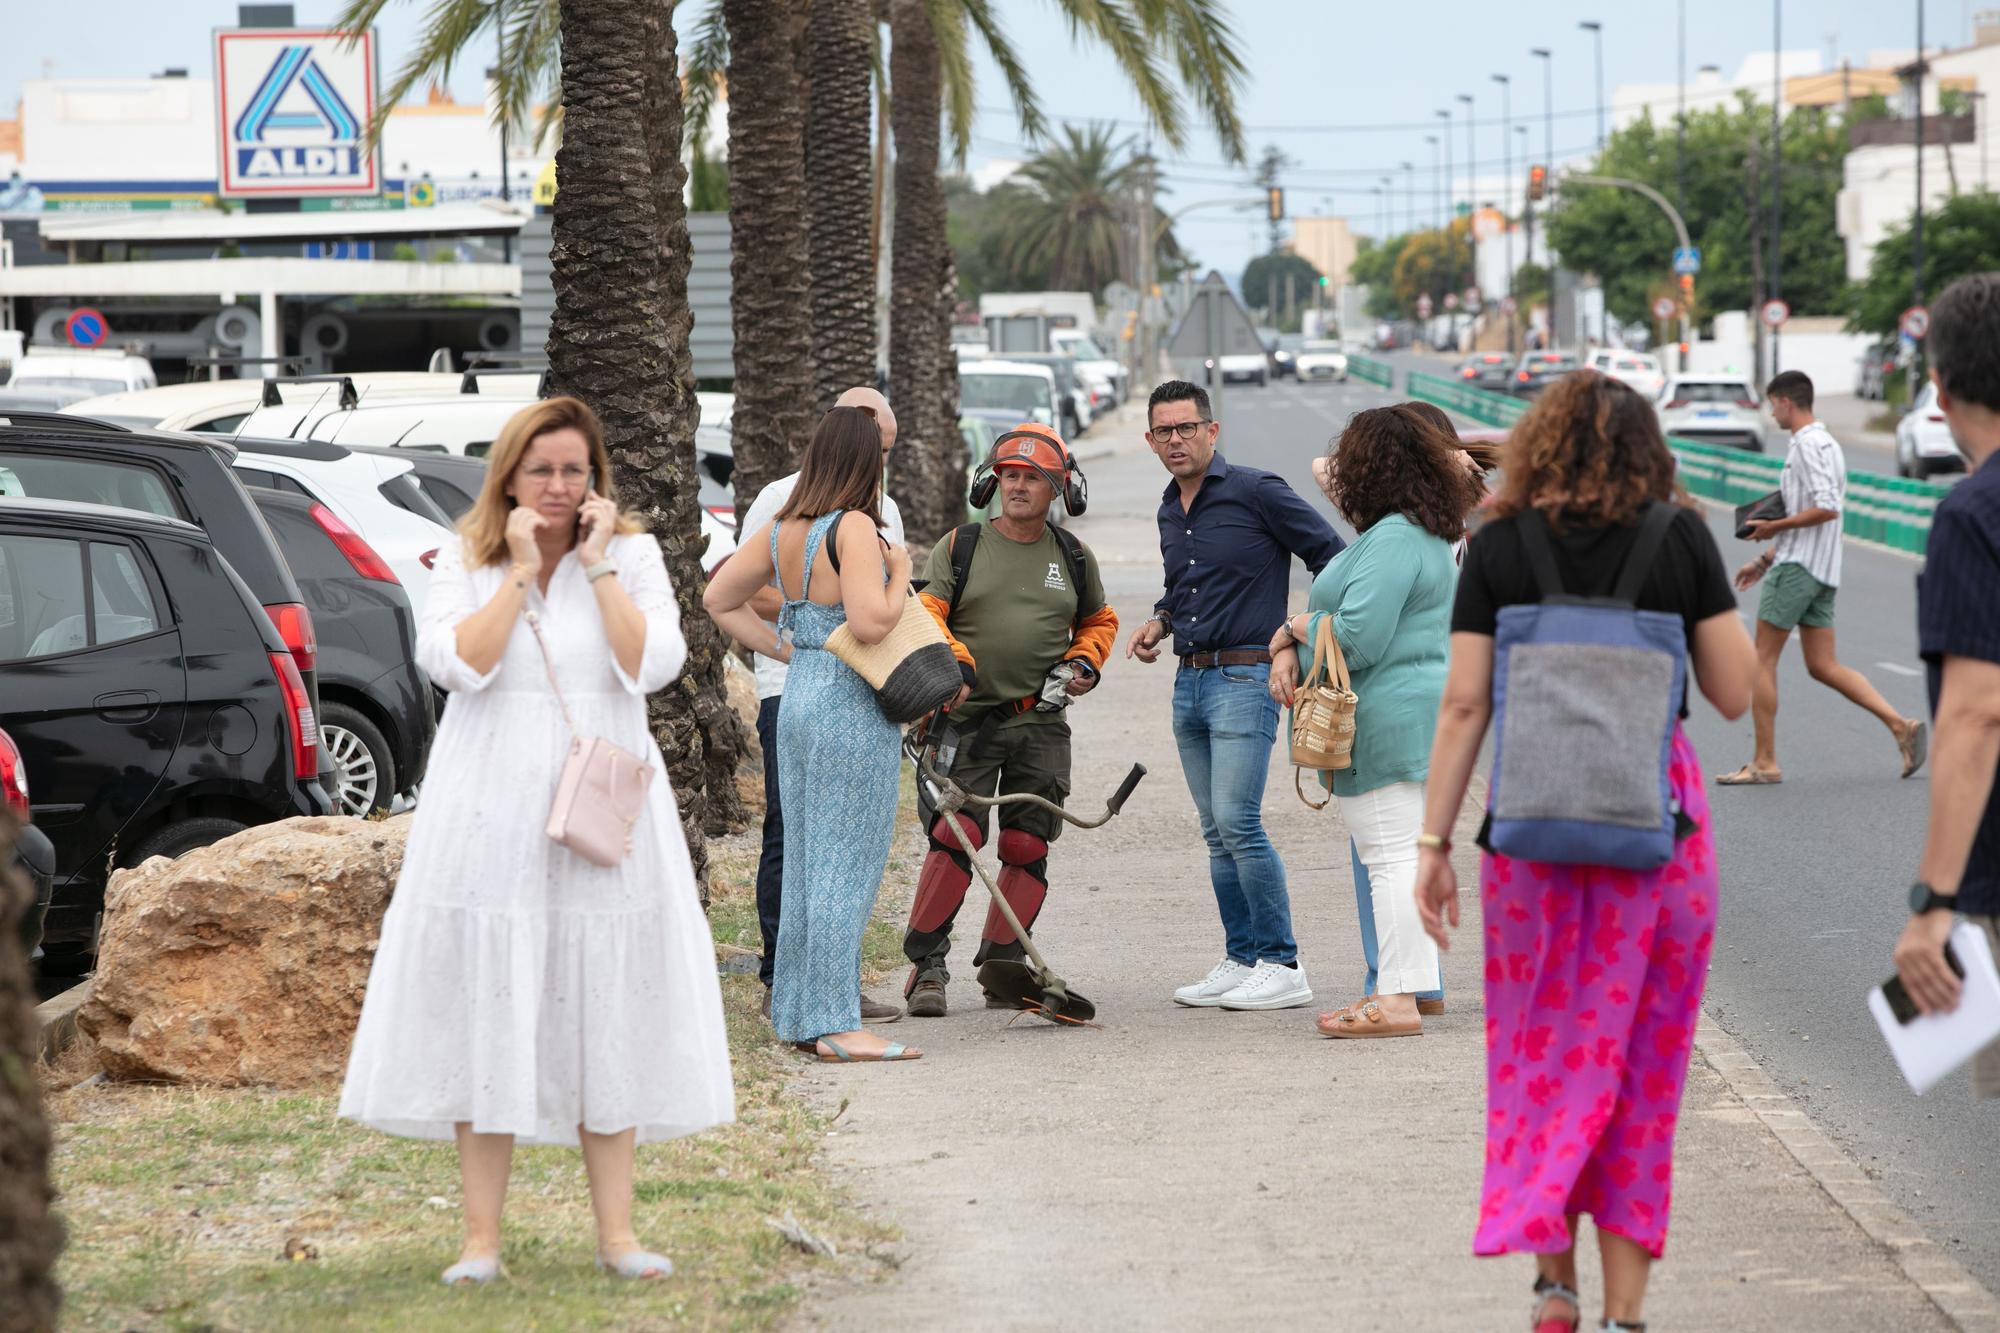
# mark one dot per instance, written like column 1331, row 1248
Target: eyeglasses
column 541, row 473
column 1183, row 430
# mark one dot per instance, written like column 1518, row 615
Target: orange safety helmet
column 1032, row 445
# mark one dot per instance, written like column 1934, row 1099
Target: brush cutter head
column 1037, row 991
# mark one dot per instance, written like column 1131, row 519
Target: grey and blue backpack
column 1586, row 691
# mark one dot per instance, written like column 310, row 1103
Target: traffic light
column 1538, row 181
column 1687, row 284
column 1322, row 280
column 1275, row 198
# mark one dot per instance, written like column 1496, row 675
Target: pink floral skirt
column 1593, row 986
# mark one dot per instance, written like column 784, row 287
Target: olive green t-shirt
column 1016, row 613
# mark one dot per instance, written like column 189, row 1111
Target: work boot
column 874, row 1011
column 927, row 999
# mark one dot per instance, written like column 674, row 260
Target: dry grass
column 184, row 1204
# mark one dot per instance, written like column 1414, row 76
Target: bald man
column 771, row 687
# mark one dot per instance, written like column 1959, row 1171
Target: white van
column 76, row 368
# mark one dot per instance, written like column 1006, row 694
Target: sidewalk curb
column 1954, row 1291
column 55, row 1019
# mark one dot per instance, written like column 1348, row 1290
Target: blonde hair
column 484, row 527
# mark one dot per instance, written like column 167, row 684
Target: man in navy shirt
column 1228, row 534
column 1958, row 633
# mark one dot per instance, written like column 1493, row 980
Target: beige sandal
column 1747, row 776
column 1367, row 1020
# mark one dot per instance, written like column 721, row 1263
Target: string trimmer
column 1032, row 985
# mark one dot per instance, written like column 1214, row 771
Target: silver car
column 1713, row 409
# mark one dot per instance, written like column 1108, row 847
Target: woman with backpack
column 1386, row 602
column 1582, row 605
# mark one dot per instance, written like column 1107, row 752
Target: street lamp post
column 1450, row 249
column 1471, row 200
column 1917, row 223
column 1778, row 156
column 1409, row 196
column 1437, row 184
column 1596, row 31
column 1507, row 171
column 1382, row 210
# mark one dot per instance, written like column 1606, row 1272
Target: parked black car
column 156, row 706
column 53, row 457
column 1538, row 370
column 34, row 855
column 1487, row 370
column 376, row 717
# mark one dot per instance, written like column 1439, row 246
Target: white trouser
column 1384, row 824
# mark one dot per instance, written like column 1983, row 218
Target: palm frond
column 1027, row 107
column 955, row 78
column 706, row 73
column 1133, row 44
column 530, row 60
column 447, row 30
column 1207, row 54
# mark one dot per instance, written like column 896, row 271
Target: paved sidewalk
column 1190, row 1168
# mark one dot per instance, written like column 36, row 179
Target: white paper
column 1930, row 1046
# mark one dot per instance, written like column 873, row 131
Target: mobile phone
column 1900, row 1003
column 591, row 488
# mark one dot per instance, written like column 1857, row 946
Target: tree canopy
column 1281, row 265
column 1961, row 236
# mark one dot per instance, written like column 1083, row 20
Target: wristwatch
column 1924, row 898
column 1435, row 842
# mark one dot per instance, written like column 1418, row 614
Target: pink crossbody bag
column 602, row 790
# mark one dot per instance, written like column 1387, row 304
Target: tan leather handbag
column 911, row 668
column 602, row 790
column 1323, row 714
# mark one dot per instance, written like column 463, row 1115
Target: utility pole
column 1681, row 116
column 1450, row 246
column 1596, row 31
column 1917, row 226
column 1506, row 193
column 1778, row 160
column 1409, row 197
column 1471, row 203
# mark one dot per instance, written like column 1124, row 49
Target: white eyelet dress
column 518, row 986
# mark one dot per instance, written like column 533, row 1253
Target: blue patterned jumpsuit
column 838, row 771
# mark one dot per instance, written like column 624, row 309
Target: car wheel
column 177, row 839
column 72, row 959
column 1263, row 380
column 364, row 769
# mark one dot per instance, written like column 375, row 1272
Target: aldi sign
column 293, row 113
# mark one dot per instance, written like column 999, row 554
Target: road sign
column 1687, row 259
column 1424, row 306
column 1451, row 300
column 1774, row 312
column 86, row 328
column 1472, row 296
column 1916, row 322
column 1507, row 304
column 1664, row 308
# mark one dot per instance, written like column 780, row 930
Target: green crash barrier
column 1892, row 511
column 1375, row 372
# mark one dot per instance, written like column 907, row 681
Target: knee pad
column 942, row 836
column 1018, row 847
column 1023, row 882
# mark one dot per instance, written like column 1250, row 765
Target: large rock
column 244, row 963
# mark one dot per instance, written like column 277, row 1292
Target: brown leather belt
column 1228, row 657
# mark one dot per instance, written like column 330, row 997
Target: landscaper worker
column 1021, row 601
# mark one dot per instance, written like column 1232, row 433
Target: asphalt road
column 1815, row 871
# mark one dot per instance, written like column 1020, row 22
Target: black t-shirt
column 1687, row 578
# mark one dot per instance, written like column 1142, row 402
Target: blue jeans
column 1224, row 723
column 771, row 858
column 1365, row 900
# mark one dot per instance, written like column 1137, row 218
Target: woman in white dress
column 521, row 992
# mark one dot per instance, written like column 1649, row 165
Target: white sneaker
column 1270, row 986
column 1207, row 992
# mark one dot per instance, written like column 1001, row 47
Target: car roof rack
column 238, row 362
column 469, row 381
column 61, row 421
column 481, row 357
column 273, row 398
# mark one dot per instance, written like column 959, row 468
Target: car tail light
column 299, row 719
column 13, row 776
column 1469, row 373
column 1678, row 402
column 295, row 627
column 429, row 558
column 1746, row 402
column 1524, row 377
column 724, row 514
column 359, row 553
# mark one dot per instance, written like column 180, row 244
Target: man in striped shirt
column 1801, row 573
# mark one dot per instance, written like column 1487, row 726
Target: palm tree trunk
column 769, row 287
column 837, row 163
column 927, row 467
column 619, row 340
column 30, row 1235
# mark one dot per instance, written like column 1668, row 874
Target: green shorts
column 1793, row 597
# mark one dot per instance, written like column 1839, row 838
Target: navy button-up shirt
column 1229, row 556
column 1958, row 615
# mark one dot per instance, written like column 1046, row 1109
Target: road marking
column 1900, row 669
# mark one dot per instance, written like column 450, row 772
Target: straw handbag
column 911, row 670
column 1323, row 713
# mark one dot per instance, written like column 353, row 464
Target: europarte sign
column 293, row 110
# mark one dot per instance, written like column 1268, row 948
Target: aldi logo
column 293, row 109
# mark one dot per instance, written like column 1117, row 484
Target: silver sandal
column 475, row 1272
column 637, row 1265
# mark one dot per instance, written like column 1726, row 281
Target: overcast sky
column 1349, row 90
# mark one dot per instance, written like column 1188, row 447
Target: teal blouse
column 1390, row 596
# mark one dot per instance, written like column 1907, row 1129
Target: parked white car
column 1713, row 409
column 374, row 494
column 1092, row 360
column 1028, row 392
column 1320, row 359
column 1923, row 439
column 1638, row 369
column 1249, row 367
column 77, row 368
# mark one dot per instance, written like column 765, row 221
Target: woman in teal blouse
column 1399, row 480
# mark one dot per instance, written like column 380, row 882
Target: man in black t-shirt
column 1958, row 633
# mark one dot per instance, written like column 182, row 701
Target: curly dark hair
column 1588, row 454
column 1397, row 460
